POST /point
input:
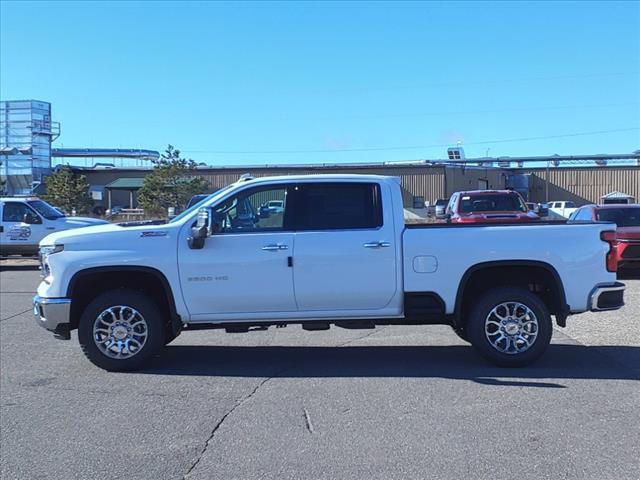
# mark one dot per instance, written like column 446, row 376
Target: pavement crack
column 15, row 315
column 307, row 421
column 368, row 334
column 217, row 426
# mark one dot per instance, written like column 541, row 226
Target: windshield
column 500, row 202
column 622, row 217
column 196, row 206
column 46, row 210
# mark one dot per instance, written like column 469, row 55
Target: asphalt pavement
column 395, row 402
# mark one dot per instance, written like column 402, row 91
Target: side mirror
column 201, row 230
column 30, row 218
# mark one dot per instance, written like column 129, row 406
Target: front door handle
column 377, row 244
column 275, row 247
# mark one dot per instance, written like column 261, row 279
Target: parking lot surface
column 395, row 402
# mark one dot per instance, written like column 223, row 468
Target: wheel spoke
column 120, row 332
column 518, row 320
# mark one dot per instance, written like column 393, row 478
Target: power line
column 411, row 147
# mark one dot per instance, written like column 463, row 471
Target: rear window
column 622, row 217
column 338, row 206
column 499, row 202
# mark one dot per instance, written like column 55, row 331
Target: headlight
column 45, row 251
column 51, row 249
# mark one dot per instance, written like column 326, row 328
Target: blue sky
column 330, row 82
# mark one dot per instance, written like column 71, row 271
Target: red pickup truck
column 626, row 248
column 488, row 206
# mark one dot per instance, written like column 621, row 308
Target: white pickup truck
column 337, row 253
column 24, row 221
column 562, row 209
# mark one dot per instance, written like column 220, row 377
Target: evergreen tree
column 68, row 191
column 171, row 184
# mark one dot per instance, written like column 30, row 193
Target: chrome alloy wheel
column 120, row 332
column 511, row 328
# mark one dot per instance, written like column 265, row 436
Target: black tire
column 486, row 303
column 461, row 332
column 155, row 323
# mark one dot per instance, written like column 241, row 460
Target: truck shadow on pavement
column 4, row 267
column 459, row 362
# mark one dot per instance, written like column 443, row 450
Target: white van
column 24, row 221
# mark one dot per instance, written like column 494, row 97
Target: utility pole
column 547, row 184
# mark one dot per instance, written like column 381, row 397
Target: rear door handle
column 377, row 244
column 275, row 247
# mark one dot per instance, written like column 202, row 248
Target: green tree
column 171, row 183
column 68, row 191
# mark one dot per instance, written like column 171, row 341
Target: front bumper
column 607, row 297
column 54, row 314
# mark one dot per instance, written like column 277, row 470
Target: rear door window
column 337, row 206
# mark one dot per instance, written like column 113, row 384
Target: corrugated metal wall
column 581, row 185
column 428, row 181
column 473, row 178
column 584, row 185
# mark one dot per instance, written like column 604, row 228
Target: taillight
column 612, row 255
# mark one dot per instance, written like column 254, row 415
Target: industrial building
column 425, row 181
column 116, row 175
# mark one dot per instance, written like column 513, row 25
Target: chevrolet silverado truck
column 488, row 206
column 338, row 253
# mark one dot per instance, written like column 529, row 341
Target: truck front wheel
column 510, row 327
column 120, row 330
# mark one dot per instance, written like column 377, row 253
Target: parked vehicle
column 626, row 249
column 488, row 206
column 340, row 254
column 275, row 206
column 562, row 209
column 540, row 209
column 27, row 220
column 440, row 208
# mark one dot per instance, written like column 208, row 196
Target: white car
column 275, row 206
column 562, row 209
column 24, row 221
column 340, row 254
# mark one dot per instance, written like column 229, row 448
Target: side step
column 316, row 326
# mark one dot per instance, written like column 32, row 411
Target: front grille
column 632, row 251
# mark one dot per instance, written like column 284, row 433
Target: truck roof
column 18, row 198
column 608, row 206
column 487, row 192
column 354, row 177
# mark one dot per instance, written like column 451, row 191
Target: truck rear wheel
column 121, row 330
column 510, row 327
